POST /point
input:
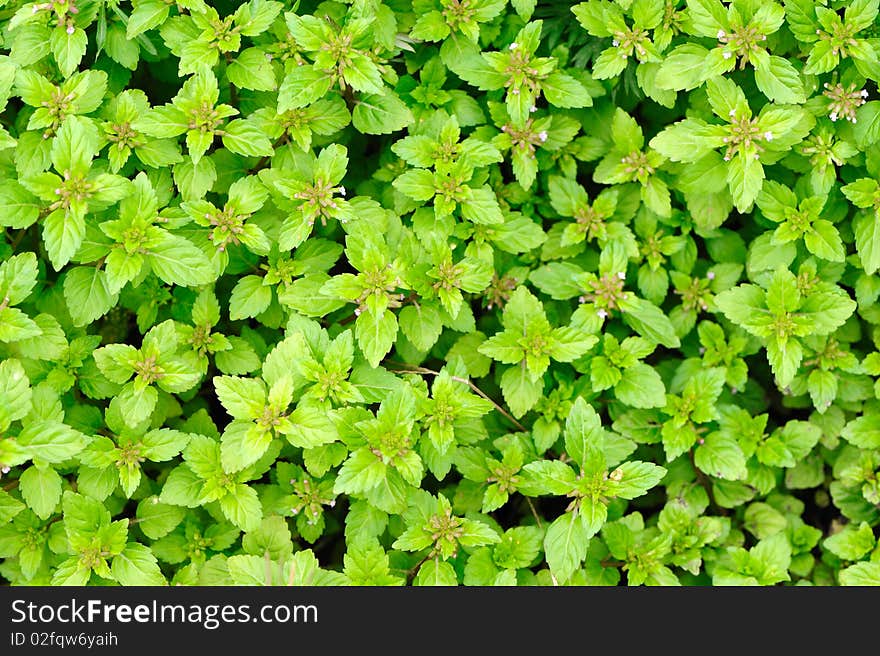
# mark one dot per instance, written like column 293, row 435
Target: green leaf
column 15, row 392
column 244, row 138
column 778, row 79
column 851, row 543
column 157, row 519
column 242, row 507
column 137, row 565
column 15, row 325
column 480, row 206
column 301, row 87
column 146, row 15
column 63, row 234
column 87, row 293
column 242, row 444
column 824, row 241
column 361, row 472
column 51, row 441
column 520, row 391
column 636, row 478
column 548, row 477
column 785, row 359
column 863, row 432
column 310, row 427
column 68, row 49
column 866, row 229
column 867, row 127
column 563, row 90
column 649, row 321
column 746, row 306
column 861, row 574
column 178, row 261
column 21, row 209
column 41, row 490
column 422, row 325
column 436, row 572
column 375, row 335
column 565, row 545
column 641, row 387
column 182, row 488
column 585, row 437
column 136, row 406
column 380, row 114
column 684, row 68
column 745, row 175
column 250, row 297
column 252, row 70
column 720, row 455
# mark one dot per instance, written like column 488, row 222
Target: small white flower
column 621, row 275
column 602, row 314
column 514, row 92
column 833, row 116
column 768, row 136
column 721, row 34
column 710, row 275
column 727, row 158
column 724, row 139
column 342, row 191
column 58, row 191
column 513, row 46
column 863, row 93
column 71, row 29
column 731, row 113
column 533, row 109
column 615, row 43
column 582, row 299
column 852, row 119
column 542, row 135
column 727, row 55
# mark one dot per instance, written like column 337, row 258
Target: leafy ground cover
column 439, row 292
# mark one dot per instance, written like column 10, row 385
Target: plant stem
column 411, row 574
column 280, row 141
column 534, row 512
column 413, row 369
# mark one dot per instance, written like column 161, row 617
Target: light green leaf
column 565, row 545
column 137, row 565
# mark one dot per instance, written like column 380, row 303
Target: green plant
column 439, row 292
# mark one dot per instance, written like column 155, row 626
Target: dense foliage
column 440, row 292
